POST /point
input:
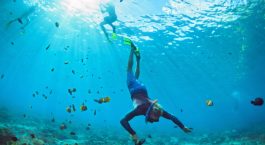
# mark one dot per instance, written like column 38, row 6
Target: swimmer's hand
column 136, row 140
column 186, row 129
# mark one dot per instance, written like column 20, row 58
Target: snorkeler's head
column 154, row 112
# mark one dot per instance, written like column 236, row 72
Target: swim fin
column 114, row 36
column 127, row 41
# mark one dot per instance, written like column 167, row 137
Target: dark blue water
column 191, row 51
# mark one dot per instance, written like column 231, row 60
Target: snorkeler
column 112, row 17
column 143, row 105
column 23, row 19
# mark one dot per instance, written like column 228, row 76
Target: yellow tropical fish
column 209, row 102
column 103, row 100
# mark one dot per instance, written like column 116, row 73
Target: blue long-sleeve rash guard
column 141, row 110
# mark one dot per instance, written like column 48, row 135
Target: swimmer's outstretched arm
column 125, row 121
column 12, row 21
column 176, row 121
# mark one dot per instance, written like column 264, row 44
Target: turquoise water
column 191, row 51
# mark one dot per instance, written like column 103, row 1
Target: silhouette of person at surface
column 23, row 19
column 109, row 19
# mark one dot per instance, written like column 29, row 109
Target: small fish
column 37, row 93
column 209, row 102
column 73, row 71
column 83, row 107
column 71, row 90
column 97, row 92
column 81, row 76
column 87, row 128
column 12, row 43
column 33, row 95
column 103, row 100
column 149, row 136
column 63, row 126
column 19, row 20
column 95, row 112
column 52, row 69
column 50, row 92
column 181, row 110
column 44, row 96
column 57, row 24
column 32, row 135
column 72, row 133
column 2, row 76
column 82, row 60
column 257, row 101
column 73, row 106
column 68, row 109
column 13, row 138
column 48, row 47
column 24, row 115
column 89, row 91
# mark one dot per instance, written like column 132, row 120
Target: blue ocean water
column 191, row 51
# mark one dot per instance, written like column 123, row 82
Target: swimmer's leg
column 137, row 71
column 103, row 29
column 113, row 28
column 130, row 61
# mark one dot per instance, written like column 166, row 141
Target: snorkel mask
column 153, row 112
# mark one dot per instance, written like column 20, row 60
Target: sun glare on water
column 87, row 7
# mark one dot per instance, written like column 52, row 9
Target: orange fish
column 68, row 109
column 83, row 107
column 103, row 100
